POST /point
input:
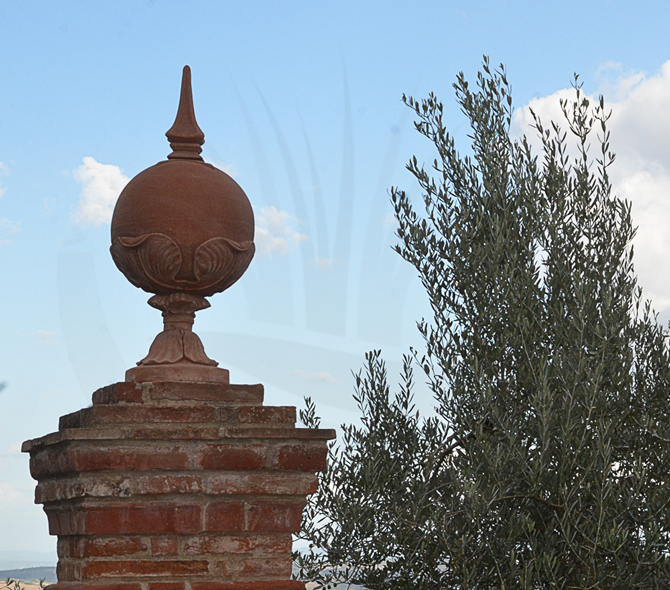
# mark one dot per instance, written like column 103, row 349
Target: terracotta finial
column 183, row 230
column 185, row 136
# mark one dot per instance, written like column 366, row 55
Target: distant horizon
column 10, row 560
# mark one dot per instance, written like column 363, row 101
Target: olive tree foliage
column 547, row 463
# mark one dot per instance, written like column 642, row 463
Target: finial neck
column 185, row 136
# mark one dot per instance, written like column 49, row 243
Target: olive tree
column 547, row 461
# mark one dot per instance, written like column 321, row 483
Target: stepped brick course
column 176, row 486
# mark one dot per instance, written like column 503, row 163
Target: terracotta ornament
column 184, row 230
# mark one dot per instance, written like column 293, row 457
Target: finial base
column 177, row 343
column 179, row 372
column 177, row 353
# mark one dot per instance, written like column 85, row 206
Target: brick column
column 176, row 486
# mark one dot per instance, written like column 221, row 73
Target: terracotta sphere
column 183, row 226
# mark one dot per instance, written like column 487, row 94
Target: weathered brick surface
column 102, row 485
column 138, row 414
column 171, row 432
column 176, row 486
column 65, row 520
column 119, row 393
column 78, row 457
column 113, row 519
column 153, row 568
column 164, row 545
column 211, row 482
column 165, row 586
column 244, row 567
column 250, row 544
column 301, row 457
column 225, row 517
column 168, row 484
column 275, row 516
column 102, row 546
column 206, row 392
column 278, row 432
column 68, row 570
column 263, row 482
column 258, row 585
column 62, row 585
column 232, row 457
column 279, row 415
column 149, row 517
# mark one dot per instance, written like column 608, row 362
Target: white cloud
column 640, row 137
column 229, row 169
column 103, row 184
column 275, row 232
column 322, row 376
column 266, row 243
column 389, row 218
column 8, row 227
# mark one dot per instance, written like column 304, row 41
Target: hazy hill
column 48, row 574
column 12, row 560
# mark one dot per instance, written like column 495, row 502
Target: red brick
column 72, row 420
column 48, row 461
column 302, row 457
column 123, row 392
column 109, row 546
column 65, row 520
column 95, row 569
column 269, row 482
column 206, row 392
column 88, row 586
column 127, row 459
column 98, row 485
column 232, row 457
column 267, row 415
column 68, row 570
column 262, row 585
column 170, row 432
column 146, row 414
column 169, row 484
column 252, row 568
column 217, row 544
column 277, row 432
column 275, row 517
column 229, row 414
column 224, row 517
column 166, row 586
column 164, row 546
column 78, row 458
column 154, row 517
column 65, row 547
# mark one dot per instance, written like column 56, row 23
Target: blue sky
column 300, row 102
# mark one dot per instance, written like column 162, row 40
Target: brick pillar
column 176, row 486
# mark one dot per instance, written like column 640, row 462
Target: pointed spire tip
column 185, row 136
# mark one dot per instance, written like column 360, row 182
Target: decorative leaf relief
column 194, row 351
column 219, row 262
column 127, row 262
column 161, row 258
column 152, row 262
column 167, row 348
column 148, row 261
column 174, row 346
